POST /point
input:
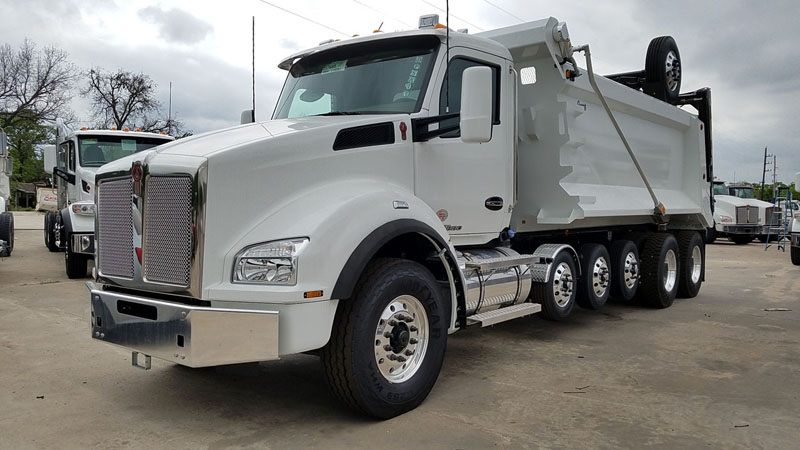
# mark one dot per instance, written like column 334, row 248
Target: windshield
column 720, row 189
column 742, row 192
column 98, row 150
column 376, row 77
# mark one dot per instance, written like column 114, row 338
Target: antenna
column 254, row 68
column 447, row 57
column 169, row 114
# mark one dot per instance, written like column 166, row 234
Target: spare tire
column 663, row 71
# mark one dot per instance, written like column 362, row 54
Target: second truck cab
column 73, row 162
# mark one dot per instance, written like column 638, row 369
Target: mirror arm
column 421, row 133
column 64, row 175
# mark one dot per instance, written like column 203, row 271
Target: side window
column 450, row 96
column 63, row 156
column 72, row 155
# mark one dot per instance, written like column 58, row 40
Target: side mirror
column 476, row 105
column 49, row 153
column 248, row 116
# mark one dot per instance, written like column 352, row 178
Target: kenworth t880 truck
column 407, row 186
column 73, row 162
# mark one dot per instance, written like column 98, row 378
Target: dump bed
column 573, row 169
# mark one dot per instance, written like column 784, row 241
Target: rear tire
column 372, row 331
column 594, row 286
column 7, row 230
column 625, row 270
column 692, row 263
column 660, row 269
column 795, row 254
column 50, row 221
column 741, row 239
column 557, row 296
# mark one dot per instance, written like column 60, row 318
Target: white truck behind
column 73, row 162
column 795, row 230
column 738, row 215
column 398, row 196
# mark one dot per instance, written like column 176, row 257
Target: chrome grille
column 168, row 230
column 747, row 214
column 115, row 228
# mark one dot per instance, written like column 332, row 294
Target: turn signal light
column 439, row 26
column 312, row 294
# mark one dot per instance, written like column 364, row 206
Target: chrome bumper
column 188, row 335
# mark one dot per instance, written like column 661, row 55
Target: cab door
column 470, row 186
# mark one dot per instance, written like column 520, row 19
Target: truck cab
column 73, row 162
column 6, row 218
column 738, row 215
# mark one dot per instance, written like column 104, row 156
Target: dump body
column 573, row 169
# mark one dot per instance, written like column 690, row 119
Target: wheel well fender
column 410, row 239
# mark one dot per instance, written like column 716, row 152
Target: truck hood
column 736, row 201
column 226, row 139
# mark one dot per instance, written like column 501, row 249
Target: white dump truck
column 6, row 218
column 738, row 215
column 407, row 186
column 73, row 162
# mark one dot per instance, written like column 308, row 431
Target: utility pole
column 763, row 173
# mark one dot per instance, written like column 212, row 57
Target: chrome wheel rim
column 697, row 263
column 563, row 284
column 670, row 270
column 600, row 279
column 401, row 338
column 631, row 270
column 673, row 71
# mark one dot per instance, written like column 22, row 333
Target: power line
column 505, row 11
column 304, row 17
column 454, row 16
column 383, row 13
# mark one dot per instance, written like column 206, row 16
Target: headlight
column 726, row 219
column 84, row 209
column 269, row 263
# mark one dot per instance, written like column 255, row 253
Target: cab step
column 485, row 265
column 501, row 315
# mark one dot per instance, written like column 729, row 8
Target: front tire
column 692, row 263
column 660, row 270
column 7, row 230
column 795, row 255
column 388, row 341
column 76, row 264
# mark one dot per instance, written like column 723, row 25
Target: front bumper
column 742, row 229
column 188, row 335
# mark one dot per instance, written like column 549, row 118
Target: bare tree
column 34, row 85
column 121, row 98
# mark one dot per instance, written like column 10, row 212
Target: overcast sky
column 746, row 51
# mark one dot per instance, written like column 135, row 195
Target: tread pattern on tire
column 684, row 250
column 649, row 285
column 337, row 355
column 795, row 255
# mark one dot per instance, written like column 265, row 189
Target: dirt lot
column 717, row 371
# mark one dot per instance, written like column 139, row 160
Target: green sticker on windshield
column 129, row 145
column 336, row 66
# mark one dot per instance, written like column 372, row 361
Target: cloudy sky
column 745, row 50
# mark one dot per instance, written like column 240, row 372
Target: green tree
column 24, row 135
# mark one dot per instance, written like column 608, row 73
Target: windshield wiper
column 340, row 113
